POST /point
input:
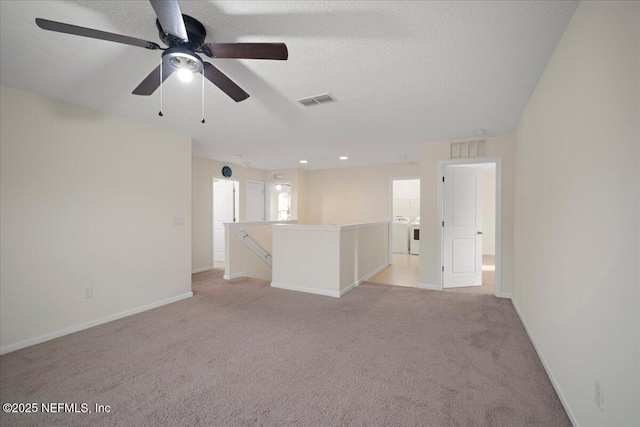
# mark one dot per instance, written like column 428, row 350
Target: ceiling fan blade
column 225, row 84
column 152, row 81
column 246, row 50
column 170, row 17
column 59, row 27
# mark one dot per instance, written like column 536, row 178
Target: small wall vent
column 467, row 149
column 317, row 100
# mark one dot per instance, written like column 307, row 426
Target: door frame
column 391, row 179
column 498, row 227
column 236, row 202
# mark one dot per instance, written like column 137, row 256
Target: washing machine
column 414, row 245
column 401, row 226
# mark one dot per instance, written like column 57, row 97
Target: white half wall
column 87, row 200
column 577, row 214
column 328, row 260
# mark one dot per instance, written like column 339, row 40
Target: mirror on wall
column 279, row 201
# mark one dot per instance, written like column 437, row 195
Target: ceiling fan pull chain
column 202, row 95
column 161, row 113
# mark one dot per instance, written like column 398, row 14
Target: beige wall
column 577, row 215
column 203, row 171
column 87, row 200
column 431, row 153
column 353, row 195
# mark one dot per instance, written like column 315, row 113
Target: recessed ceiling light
column 480, row 131
column 304, row 162
column 344, row 158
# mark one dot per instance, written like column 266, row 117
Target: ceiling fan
column 184, row 37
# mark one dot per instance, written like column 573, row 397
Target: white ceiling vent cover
column 317, row 100
column 468, row 149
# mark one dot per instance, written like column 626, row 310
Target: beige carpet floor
column 241, row 353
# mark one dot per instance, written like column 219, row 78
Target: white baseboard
column 47, row 337
column 547, row 368
column 505, row 295
column 429, row 287
column 373, row 273
column 200, row 270
column 324, row 292
column 349, row 288
column 364, row 279
column 234, row 275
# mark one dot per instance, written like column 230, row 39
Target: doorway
column 225, row 209
column 404, row 241
column 470, row 200
column 279, row 201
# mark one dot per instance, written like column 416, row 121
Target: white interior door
column 462, row 228
column 223, row 211
column 255, row 201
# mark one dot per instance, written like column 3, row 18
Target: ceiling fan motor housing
column 195, row 32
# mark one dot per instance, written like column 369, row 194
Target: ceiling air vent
column 466, row 149
column 316, row 100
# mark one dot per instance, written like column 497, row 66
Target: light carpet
column 242, row 353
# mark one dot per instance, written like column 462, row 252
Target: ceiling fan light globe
column 185, row 75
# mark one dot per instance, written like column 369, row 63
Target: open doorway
column 470, row 200
column 279, row 201
column 404, row 242
column 226, row 202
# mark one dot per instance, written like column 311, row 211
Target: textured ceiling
column 404, row 73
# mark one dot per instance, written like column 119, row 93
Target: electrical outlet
column 178, row 220
column 599, row 396
column 88, row 292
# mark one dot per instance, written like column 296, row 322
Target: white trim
column 250, row 224
column 547, row 368
column 373, row 273
column 200, row 270
column 234, row 275
column 53, row 335
column 306, row 227
column 324, row 292
column 364, row 278
column 350, row 287
column 363, row 225
column 505, row 295
column 498, row 227
column 282, row 226
column 429, row 286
